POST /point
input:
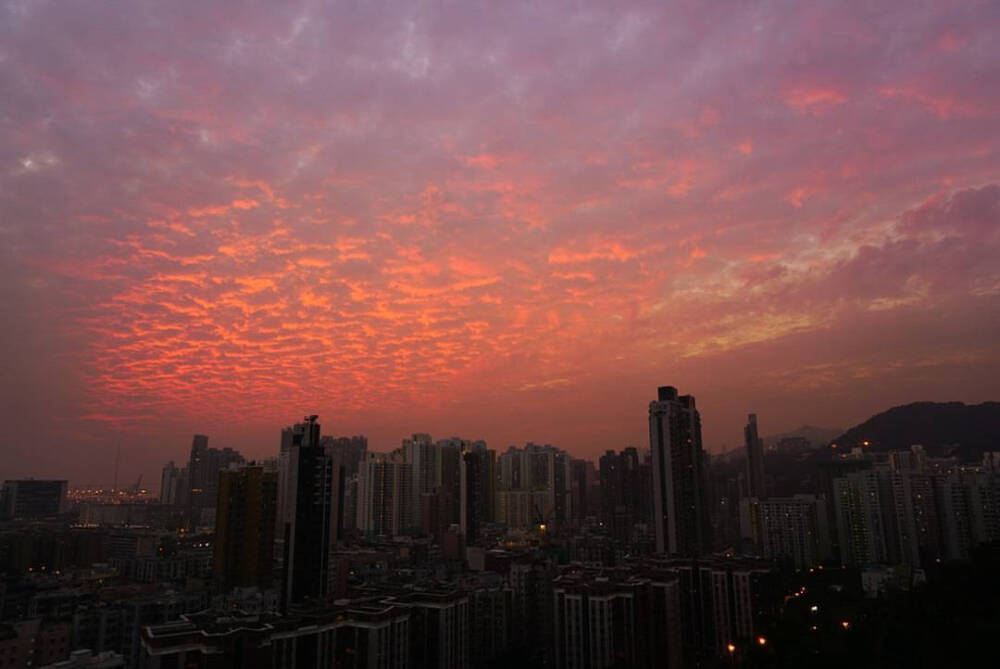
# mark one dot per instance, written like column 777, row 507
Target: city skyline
column 509, row 223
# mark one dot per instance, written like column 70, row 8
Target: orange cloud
column 813, row 99
column 600, row 251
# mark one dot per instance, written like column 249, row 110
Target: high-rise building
column 860, row 522
column 606, row 619
column 954, row 498
column 476, row 497
column 450, row 458
column 198, row 475
column 422, row 455
column 680, row 513
column 582, row 478
column 620, row 492
column 537, row 473
column 645, row 499
column 440, row 627
column 203, row 470
column 755, row 458
column 385, row 497
column 563, row 483
column 306, row 433
column 828, row 472
column 985, row 504
column 792, row 529
column 310, row 513
column 724, row 601
column 350, row 453
column 174, row 485
column 246, row 512
column 33, row 498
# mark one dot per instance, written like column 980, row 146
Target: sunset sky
column 508, row 221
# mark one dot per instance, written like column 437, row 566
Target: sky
column 509, row 221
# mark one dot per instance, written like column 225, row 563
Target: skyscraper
column 385, row 495
column 174, row 486
column 311, row 492
column 680, row 517
column 755, row 458
column 792, row 529
column 536, row 477
column 620, row 492
column 243, row 549
column 31, row 498
column 860, row 521
column 203, row 470
column 476, row 497
column 349, row 453
column 422, row 455
column 198, row 477
column 581, row 477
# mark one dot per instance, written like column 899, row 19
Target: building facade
column 680, row 519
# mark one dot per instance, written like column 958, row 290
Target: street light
column 731, row 648
column 761, row 641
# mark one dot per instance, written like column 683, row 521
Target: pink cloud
column 812, row 99
column 519, row 212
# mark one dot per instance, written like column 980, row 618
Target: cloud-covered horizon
column 505, row 221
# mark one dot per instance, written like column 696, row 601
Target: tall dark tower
column 243, row 550
column 755, row 458
column 198, row 472
column 680, row 512
column 620, row 492
column 312, row 498
column 476, row 477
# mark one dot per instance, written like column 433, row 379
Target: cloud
column 392, row 214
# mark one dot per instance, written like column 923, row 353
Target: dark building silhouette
column 723, row 601
column 31, row 498
column 755, row 458
column 582, row 476
column 646, row 489
column 203, row 470
column 246, row 511
column 477, row 475
column 350, row 453
column 827, row 473
column 620, row 492
column 312, row 499
column 680, row 511
column 450, row 457
column 626, row 619
column 175, row 486
column 561, row 481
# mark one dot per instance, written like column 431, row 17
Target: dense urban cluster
column 447, row 553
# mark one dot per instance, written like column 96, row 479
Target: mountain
column 818, row 436
column 939, row 426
